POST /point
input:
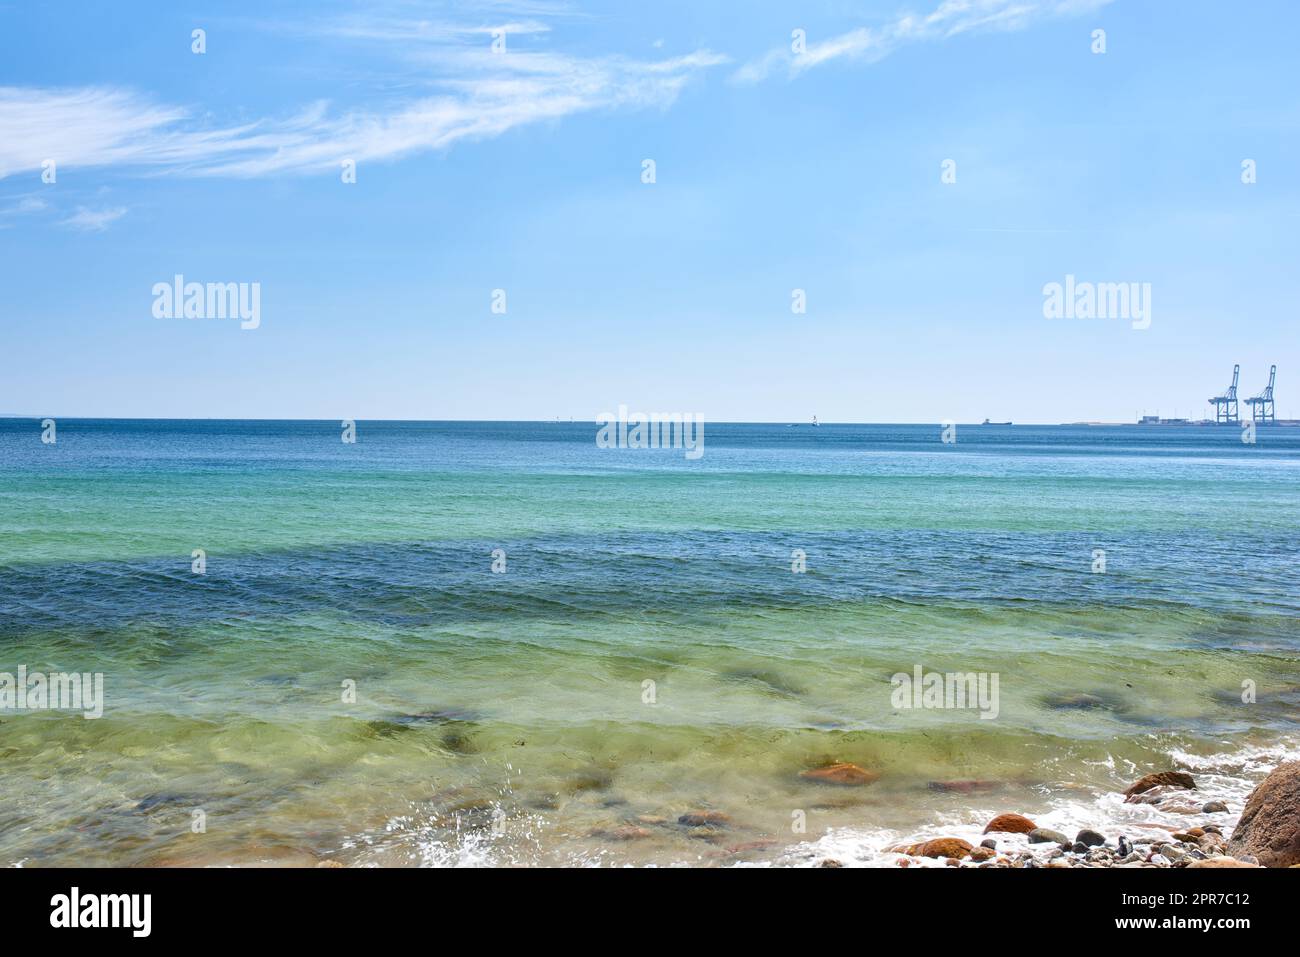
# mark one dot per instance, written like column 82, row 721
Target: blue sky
column 522, row 170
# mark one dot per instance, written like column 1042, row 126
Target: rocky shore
column 1267, row 833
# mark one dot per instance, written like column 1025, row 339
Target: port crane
column 1225, row 406
column 1261, row 406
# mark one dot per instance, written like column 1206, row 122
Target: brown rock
column 981, row 853
column 1212, row 842
column 1176, row 779
column 940, row 847
column 1269, row 829
column 844, row 774
column 1221, row 862
column 1010, row 824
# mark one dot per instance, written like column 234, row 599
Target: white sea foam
column 1228, row 776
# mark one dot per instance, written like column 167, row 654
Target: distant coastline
column 1282, row 423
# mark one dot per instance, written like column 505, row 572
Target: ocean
column 495, row 643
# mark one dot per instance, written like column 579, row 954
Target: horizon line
column 572, row 421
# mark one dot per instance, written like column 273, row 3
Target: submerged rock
column 1045, row 835
column 704, row 819
column 438, row 716
column 459, row 743
column 1010, row 824
column 1214, row 807
column 842, row 774
column 158, row 800
column 592, row 779
column 1269, row 829
column 626, row 832
column 771, row 680
column 1170, row 779
column 966, row 787
column 747, row 847
column 1083, row 701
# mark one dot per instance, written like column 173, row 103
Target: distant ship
column 815, row 422
column 987, row 422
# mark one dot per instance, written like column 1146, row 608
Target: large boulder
column 1269, row 828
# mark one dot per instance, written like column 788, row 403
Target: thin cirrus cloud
column 478, row 94
column 949, row 18
column 89, row 220
column 469, row 93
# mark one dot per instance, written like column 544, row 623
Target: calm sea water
column 510, row 718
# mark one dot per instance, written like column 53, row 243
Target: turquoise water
column 506, row 717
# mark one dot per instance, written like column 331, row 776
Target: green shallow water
column 502, row 718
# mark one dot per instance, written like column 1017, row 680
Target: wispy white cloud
column 472, row 93
column 406, row 30
column 94, row 220
column 949, row 18
column 25, row 206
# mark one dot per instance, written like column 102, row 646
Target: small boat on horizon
column 987, row 422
